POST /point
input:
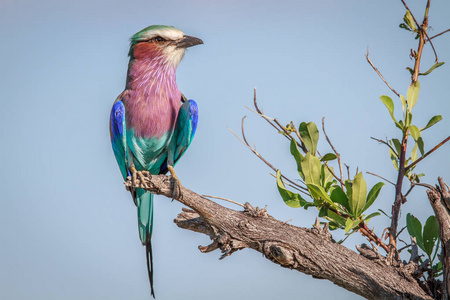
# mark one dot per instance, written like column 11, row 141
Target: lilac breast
column 152, row 99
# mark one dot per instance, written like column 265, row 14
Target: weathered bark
column 311, row 251
column 440, row 201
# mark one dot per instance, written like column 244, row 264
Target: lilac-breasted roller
column 152, row 123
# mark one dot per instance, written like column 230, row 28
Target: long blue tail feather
column 149, row 255
column 144, row 201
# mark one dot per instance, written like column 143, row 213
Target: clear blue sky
column 68, row 227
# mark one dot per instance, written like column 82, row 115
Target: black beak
column 188, row 41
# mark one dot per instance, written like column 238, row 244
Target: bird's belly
column 148, row 153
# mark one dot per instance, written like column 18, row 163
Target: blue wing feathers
column 186, row 127
column 118, row 139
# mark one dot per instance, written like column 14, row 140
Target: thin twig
column 334, row 175
column 261, row 115
column 387, row 144
column 432, row 47
column 271, row 121
column 409, row 190
column 225, row 199
column 401, row 230
column 265, row 161
column 428, row 186
column 259, row 112
column 348, row 235
column 428, row 153
column 372, row 236
column 287, row 134
column 373, row 174
column 448, row 30
column 302, row 143
column 348, row 170
column 292, row 186
column 403, row 241
column 379, row 74
column 335, row 151
column 403, row 248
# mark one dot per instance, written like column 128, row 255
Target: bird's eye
column 157, row 39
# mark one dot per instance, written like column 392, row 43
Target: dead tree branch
column 310, row 251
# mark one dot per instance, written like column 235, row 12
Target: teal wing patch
column 184, row 132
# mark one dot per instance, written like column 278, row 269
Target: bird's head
column 160, row 41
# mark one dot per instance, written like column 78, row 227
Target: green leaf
column 415, row 132
column 408, row 118
column 311, row 168
column 403, row 102
column 413, row 95
column 382, row 211
column 350, row 224
column 348, row 188
column 298, row 157
column 404, row 26
column 430, row 234
column 436, row 65
column 415, row 229
column 397, row 145
column 338, row 196
column 421, row 146
column 372, row 215
column 328, row 157
column 372, row 196
column 359, row 193
column 323, row 212
column 394, row 159
column 409, row 20
column 310, row 136
column 332, row 216
column 317, row 192
column 437, row 267
column 432, row 121
column 414, row 154
column 387, row 101
column 325, row 175
column 291, row 199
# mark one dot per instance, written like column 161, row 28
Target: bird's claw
column 138, row 178
column 176, row 190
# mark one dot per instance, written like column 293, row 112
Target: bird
column 152, row 123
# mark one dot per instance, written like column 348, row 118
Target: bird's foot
column 138, row 179
column 176, row 191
